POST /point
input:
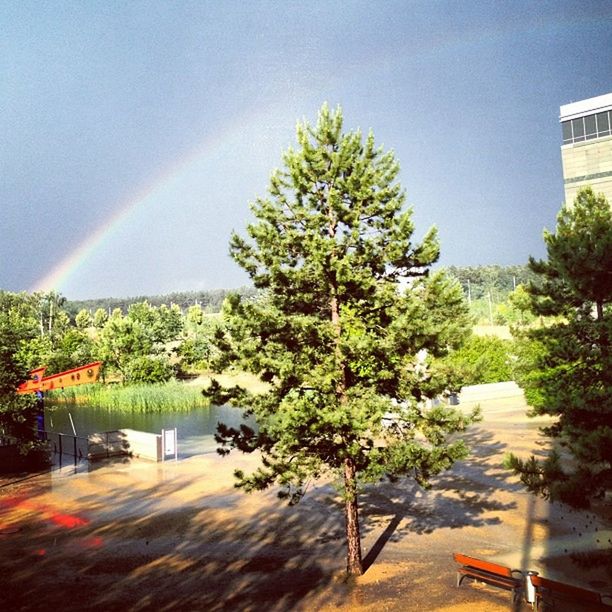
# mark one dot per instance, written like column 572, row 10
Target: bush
column 481, row 360
column 148, row 370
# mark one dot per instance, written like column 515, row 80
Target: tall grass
column 170, row 396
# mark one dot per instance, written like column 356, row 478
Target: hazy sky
column 134, row 134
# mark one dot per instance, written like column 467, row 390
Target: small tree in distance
column 568, row 372
column 347, row 314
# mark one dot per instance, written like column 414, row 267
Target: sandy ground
column 176, row 536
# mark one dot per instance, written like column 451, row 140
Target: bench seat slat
column 494, row 568
column 510, row 582
column 547, row 587
column 490, row 573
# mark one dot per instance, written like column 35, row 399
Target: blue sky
column 134, row 134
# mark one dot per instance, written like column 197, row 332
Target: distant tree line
column 210, row 300
column 484, row 282
column 495, row 281
column 477, row 283
column 496, row 294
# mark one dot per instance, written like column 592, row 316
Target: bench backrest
column 494, row 568
column 566, row 589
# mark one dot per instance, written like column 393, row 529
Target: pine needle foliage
column 346, row 308
column 567, row 373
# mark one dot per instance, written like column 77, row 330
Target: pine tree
column 568, row 373
column 346, row 316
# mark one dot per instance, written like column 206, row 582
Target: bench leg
column 541, row 605
column 517, row 595
column 461, row 577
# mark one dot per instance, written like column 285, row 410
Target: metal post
column 72, row 423
column 60, row 444
column 530, row 593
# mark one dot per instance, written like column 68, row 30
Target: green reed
column 168, row 396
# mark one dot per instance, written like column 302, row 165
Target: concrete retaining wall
column 125, row 442
column 143, row 444
column 106, row 444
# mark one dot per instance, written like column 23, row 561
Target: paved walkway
column 177, row 536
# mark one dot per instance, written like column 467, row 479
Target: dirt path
column 177, row 536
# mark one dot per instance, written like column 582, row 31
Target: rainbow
column 76, row 259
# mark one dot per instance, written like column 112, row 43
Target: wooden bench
column 546, row 589
column 491, row 573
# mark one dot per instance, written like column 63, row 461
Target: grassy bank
column 142, row 398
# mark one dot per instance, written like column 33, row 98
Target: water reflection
column 195, row 428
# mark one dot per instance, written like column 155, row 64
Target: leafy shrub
column 481, row 359
column 145, row 369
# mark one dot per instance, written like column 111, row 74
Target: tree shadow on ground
column 461, row 497
column 169, row 543
column 129, row 548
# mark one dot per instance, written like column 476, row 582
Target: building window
column 603, row 124
column 587, row 128
column 590, row 127
column 578, row 129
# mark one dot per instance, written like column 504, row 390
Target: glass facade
column 587, row 128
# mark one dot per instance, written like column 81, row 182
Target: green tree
column 481, row 360
column 120, row 341
column 149, row 369
column 480, row 281
column 195, row 316
column 18, row 325
column 567, row 371
column 515, row 310
column 60, row 345
column 83, row 319
column 169, row 325
column 347, row 306
column 138, row 345
column 50, row 305
column 72, row 349
column 100, row 318
column 197, row 346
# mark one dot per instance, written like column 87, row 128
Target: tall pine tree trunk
column 354, row 564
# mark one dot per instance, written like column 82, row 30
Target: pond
column 195, row 428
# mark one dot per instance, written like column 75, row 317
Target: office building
column 586, row 153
